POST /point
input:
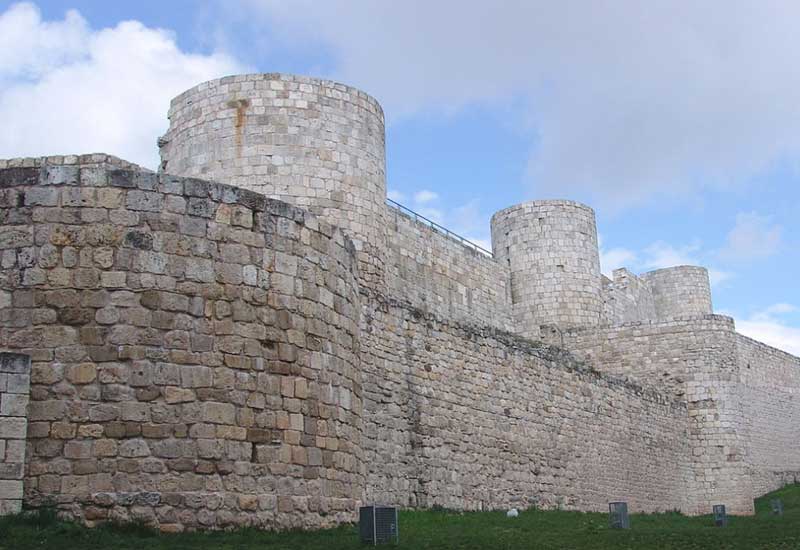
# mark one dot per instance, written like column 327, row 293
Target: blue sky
column 679, row 123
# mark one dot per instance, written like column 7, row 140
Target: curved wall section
column 682, row 291
column 551, row 250
column 194, row 345
column 314, row 143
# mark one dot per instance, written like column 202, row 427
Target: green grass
column 443, row 530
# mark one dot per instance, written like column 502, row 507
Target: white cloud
column 425, row 196
column 395, row 195
column 771, row 311
column 765, row 326
column 752, row 237
column 67, row 88
column 627, row 99
column 615, row 258
column 661, row 254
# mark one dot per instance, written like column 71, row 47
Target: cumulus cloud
column 660, row 254
column 752, row 237
column 425, row 196
column 769, row 327
column 395, row 195
column 615, row 258
column 68, row 88
column 625, row 99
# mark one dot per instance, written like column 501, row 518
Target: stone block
column 173, row 395
column 10, row 489
column 15, row 450
column 11, row 470
column 144, row 201
column 9, row 507
column 218, row 413
column 15, row 363
column 84, row 373
column 13, row 427
column 13, row 404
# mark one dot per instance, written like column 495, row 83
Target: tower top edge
column 276, row 77
column 538, row 205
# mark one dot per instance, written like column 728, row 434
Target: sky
column 677, row 121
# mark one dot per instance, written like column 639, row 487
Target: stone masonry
column 15, row 381
column 272, row 345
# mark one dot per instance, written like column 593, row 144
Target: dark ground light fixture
column 378, row 525
column 720, row 517
column 618, row 515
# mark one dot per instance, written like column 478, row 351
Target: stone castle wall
column 206, row 355
column 694, row 359
column 443, row 276
column 194, row 346
column 469, row 417
column 627, row 298
column 770, row 381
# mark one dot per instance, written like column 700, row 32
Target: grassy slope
column 446, row 530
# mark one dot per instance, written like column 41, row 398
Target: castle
column 252, row 336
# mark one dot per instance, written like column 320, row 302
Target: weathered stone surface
column 204, row 356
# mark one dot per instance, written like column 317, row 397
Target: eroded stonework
column 278, row 346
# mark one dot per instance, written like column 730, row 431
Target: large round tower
column 314, row 143
column 551, row 249
column 681, row 291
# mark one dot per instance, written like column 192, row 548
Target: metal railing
column 432, row 224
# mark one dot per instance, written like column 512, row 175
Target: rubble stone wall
column 695, row 360
column 771, row 409
column 469, row 417
column 194, row 349
column 15, row 381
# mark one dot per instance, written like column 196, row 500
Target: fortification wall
column 470, row 417
column 627, row 299
column 695, row 360
column 313, row 143
column 194, row 348
column 438, row 274
column 770, row 382
column 550, row 248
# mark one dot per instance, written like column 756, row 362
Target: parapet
column 317, row 144
column 551, row 249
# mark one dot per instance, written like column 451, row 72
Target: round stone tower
column 682, row 291
column 314, row 143
column 551, row 249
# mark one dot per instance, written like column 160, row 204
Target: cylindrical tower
column 551, row 249
column 682, row 291
column 313, row 143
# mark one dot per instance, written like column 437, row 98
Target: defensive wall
column 281, row 346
